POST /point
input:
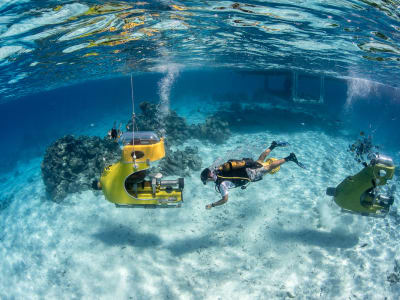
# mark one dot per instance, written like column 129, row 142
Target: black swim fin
column 275, row 144
column 282, row 144
column 292, row 157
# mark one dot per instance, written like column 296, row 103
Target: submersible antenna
column 133, row 125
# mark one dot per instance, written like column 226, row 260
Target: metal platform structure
column 302, row 96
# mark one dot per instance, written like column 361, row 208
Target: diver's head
column 205, row 175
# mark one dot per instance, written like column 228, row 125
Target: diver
column 362, row 147
column 113, row 133
column 235, row 173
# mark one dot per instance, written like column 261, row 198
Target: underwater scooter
column 360, row 193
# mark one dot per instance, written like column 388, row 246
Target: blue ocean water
column 312, row 73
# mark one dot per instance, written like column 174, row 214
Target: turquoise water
column 312, row 73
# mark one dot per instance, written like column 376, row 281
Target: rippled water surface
column 45, row 44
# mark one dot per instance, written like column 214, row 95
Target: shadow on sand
column 318, row 238
column 123, row 236
column 189, row 245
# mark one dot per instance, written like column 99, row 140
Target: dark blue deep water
column 32, row 122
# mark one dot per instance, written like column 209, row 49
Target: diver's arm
column 218, row 203
column 223, row 200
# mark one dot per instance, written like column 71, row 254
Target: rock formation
column 70, row 164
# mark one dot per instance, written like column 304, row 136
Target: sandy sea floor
column 282, row 237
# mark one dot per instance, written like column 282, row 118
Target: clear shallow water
column 52, row 43
column 281, row 237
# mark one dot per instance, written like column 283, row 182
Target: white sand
column 279, row 238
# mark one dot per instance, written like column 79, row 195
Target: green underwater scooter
column 359, row 193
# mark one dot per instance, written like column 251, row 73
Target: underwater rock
column 172, row 126
column 214, row 130
column 70, row 164
column 180, row 163
column 175, row 128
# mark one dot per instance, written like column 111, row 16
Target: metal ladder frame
column 295, row 84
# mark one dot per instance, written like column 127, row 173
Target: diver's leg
column 292, row 157
column 276, row 163
column 263, row 155
column 267, row 152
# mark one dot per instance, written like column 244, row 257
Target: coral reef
column 180, row 163
column 213, row 130
column 70, row 164
column 175, row 128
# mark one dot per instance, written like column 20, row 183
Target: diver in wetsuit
column 362, row 148
column 113, row 133
column 235, row 173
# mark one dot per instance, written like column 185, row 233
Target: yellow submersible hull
column 124, row 183
column 360, row 193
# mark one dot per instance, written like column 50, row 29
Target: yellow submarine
column 126, row 183
column 360, row 193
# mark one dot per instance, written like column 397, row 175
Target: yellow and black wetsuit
column 235, row 172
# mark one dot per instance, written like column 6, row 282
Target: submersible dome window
column 139, row 154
